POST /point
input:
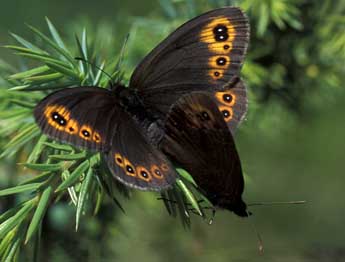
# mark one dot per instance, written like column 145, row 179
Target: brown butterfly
column 128, row 124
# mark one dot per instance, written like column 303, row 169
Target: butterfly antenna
column 260, row 242
column 97, row 67
column 120, row 60
column 277, row 203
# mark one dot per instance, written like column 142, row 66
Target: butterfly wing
column 201, row 55
column 91, row 118
column 232, row 102
column 135, row 162
column 198, row 140
column 82, row 116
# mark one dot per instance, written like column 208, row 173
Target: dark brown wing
column 91, row 118
column 82, row 116
column 201, row 55
column 198, row 140
column 135, row 162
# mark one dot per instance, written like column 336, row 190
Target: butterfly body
column 183, row 104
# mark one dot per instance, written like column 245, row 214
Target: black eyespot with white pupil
column 158, row 173
column 59, row 119
column 144, row 174
column 221, row 61
column 227, row 98
column 85, row 133
column 216, row 74
column 220, row 29
column 221, row 38
column 205, row 116
column 220, row 33
column 130, row 169
column 226, row 113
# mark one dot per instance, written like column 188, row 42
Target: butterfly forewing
column 82, row 116
column 202, row 55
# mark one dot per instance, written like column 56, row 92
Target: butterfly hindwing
column 135, row 162
column 201, row 55
column 198, row 139
column 232, row 103
column 91, row 118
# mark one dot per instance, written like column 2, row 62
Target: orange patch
column 207, row 35
column 119, row 160
column 226, row 112
column 214, row 62
column 85, row 132
column 216, row 74
column 62, row 111
column 227, row 98
column 72, row 127
column 143, row 173
column 128, row 167
column 222, row 48
column 96, row 137
column 219, row 34
column 164, row 167
column 155, row 171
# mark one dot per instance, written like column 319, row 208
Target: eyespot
column 156, row 172
column 204, row 116
column 226, row 112
column 72, row 127
column 220, row 29
column 221, row 61
column 227, row 98
column 226, row 47
column 96, row 137
column 85, row 132
column 59, row 119
column 164, row 167
column 57, row 116
column 143, row 173
column 216, row 74
column 217, row 33
column 128, row 167
column 221, row 38
column 118, row 160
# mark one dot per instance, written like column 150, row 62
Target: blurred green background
column 292, row 144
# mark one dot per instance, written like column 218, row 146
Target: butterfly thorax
column 150, row 124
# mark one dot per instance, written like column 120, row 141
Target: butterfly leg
column 193, row 210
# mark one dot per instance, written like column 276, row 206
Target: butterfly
column 195, row 67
